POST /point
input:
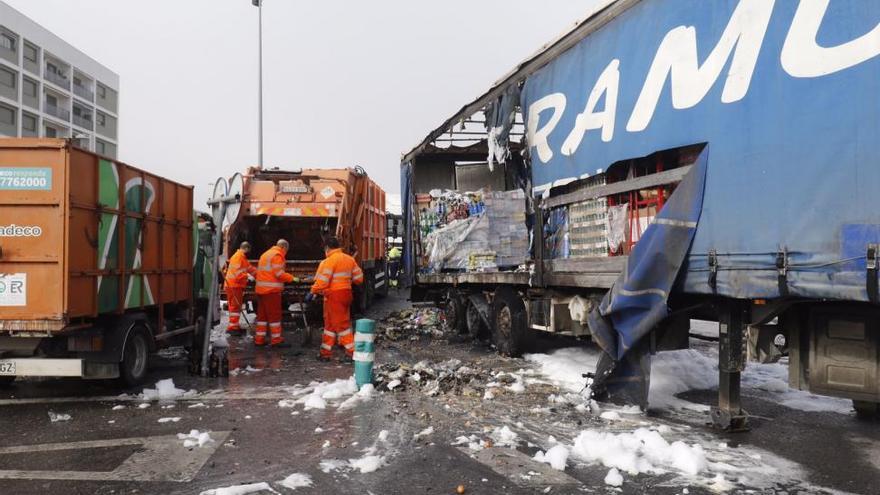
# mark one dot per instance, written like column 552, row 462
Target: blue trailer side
column 772, row 231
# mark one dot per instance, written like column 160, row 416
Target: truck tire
column 454, row 311
column 510, row 332
column 135, row 357
column 866, row 410
column 474, row 323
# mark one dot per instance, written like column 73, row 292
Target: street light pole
column 259, row 5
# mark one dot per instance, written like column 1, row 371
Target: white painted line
column 162, row 458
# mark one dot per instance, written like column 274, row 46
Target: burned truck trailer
column 678, row 160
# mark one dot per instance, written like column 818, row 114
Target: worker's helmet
column 245, row 246
column 283, row 244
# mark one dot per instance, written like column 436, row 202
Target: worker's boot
column 325, row 359
column 346, row 359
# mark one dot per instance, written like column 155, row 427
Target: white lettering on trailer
column 13, row 230
column 803, row 57
column 13, row 289
column 677, row 60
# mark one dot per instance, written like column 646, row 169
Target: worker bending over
column 271, row 277
column 237, row 272
column 334, row 279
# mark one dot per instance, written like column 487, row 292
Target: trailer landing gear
column 729, row 415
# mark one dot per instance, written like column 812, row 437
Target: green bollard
column 364, row 351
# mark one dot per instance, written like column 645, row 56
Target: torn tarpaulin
column 638, row 300
column 500, row 117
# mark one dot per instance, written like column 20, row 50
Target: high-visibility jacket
column 238, row 269
column 271, row 274
column 337, row 272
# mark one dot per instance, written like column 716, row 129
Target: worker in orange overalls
column 271, row 277
column 238, row 270
column 334, row 279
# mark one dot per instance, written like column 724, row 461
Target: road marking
column 516, row 466
column 258, row 393
column 161, row 458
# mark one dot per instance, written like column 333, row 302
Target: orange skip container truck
column 96, row 263
column 306, row 207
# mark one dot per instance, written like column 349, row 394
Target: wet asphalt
column 263, row 442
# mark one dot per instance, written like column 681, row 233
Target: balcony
column 58, row 79
column 56, row 111
column 84, row 121
column 84, row 93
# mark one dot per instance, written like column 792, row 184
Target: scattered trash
column 240, row 489
column 460, row 489
column 613, row 478
column 412, row 324
column 427, row 431
column 169, row 420
column 118, row 408
column 165, row 390
column 556, row 456
column 53, row 417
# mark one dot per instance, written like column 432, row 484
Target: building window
column 7, row 41
column 7, row 116
column 29, row 88
column 101, row 119
column 102, row 92
column 51, row 100
column 28, row 122
column 100, row 148
column 7, row 77
column 51, row 132
column 30, row 53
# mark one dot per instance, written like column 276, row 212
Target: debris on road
column 169, row 420
column 296, row 480
column 55, row 417
column 240, row 489
column 195, row 438
column 165, row 390
column 411, row 324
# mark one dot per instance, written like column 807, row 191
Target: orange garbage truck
column 306, row 207
column 100, row 263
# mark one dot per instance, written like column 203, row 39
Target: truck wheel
column 510, row 331
column 135, row 357
column 475, row 327
column 866, row 410
column 454, row 311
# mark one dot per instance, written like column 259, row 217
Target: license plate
column 7, row 368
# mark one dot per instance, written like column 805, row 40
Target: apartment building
column 48, row 88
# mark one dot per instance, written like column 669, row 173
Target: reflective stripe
column 358, row 277
column 364, row 356
column 364, row 337
column 269, row 284
column 676, row 223
column 327, row 272
column 274, row 325
column 261, row 333
column 322, row 278
column 327, row 347
column 329, row 333
column 341, row 275
column 278, row 265
column 279, row 273
column 349, row 347
column 345, row 333
column 262, row 323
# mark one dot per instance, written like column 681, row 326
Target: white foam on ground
column 240, row 489
column 504, row 437
column 367, row 463
column 642, row 451
column 56, row 417
column 427, row 431
column 613, row 478
column 195, row 438
column 165, row 390
column 169, row 420
column 557, row 457
column 296, row 480
column 365, row 394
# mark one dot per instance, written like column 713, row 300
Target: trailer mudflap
column 637, row 302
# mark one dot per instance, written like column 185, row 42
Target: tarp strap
column 782, row 272
column 713, row 270
column 871, row 278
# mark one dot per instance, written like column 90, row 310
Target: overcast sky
column 346, row 82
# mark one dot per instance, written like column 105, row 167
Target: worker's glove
column 296, row 280
column 310, row 297
column 251, row 278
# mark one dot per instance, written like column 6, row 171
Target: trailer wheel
column 510, row 332
column 454, row 310
column 866, row 410
column 474, row 322
column 135, row 357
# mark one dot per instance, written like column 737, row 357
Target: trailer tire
column 454, row 310
column 135, row 356
column 866, row 410
column 474, row 322
column 510, row 331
